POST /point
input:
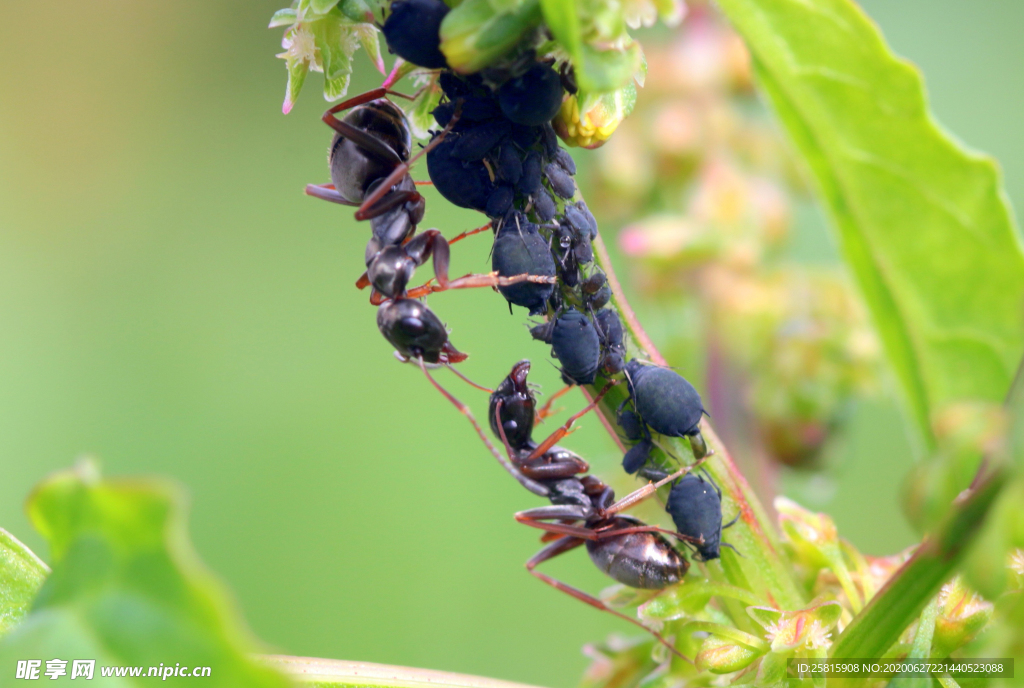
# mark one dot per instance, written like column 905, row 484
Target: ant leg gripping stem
column 327, row 192
column 648, row 490
column 566, row 544
column 474, row 281
column 561, row 432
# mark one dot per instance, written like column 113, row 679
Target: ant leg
column 327, row 192
column 561, row 432
column 731, row 523
column 369, row 142
column 468, row 381
column 475, row 281
column 646, row 491
column 567, row 544
column 530, row 485
column 425, row 183
column 403, row 167
column 364, row 281
column 533, row 518
column 545, row 410
column 468, row 233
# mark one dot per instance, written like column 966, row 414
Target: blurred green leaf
column 602, row 71
column 21, row 575
column 924, row 224
column 356, row 10
column 322, row 6
column 905, row 595
column 369, row 38
column 334, row 672
column 297, row 71
column 285, row 17
column 474, row 35
column 126, row 587
column 420, row 111
column 562, row 18
column 336, row 43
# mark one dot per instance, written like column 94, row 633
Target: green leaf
column 369, row 38
column 905, row 595
column 334, row 672
column 322, row 6
column 356, row 10
column 127, row 588
column 285, row 17
column 21, row 575
column 297, row 71
column 420, row 111
column 562, row 18
column 923, row 223
column 336, row 44
column 602, row 71
column 686, row 600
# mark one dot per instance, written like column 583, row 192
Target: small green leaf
column 420, row 111
column 21, row 575
column 690, row 598
column 297, row 71
column 127, row 589
column 357, row 10
column 369, row 38
column 923, row 223
column 601, row 71
column 723, row 656
column 285, row 17
column 322, row 6
column 562, row 18
column 336, row 43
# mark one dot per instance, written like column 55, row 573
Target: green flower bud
column 805, row 629
column 724, row 656
column 962, row 615
column 475, row 34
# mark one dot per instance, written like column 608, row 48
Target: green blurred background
column 172, row 303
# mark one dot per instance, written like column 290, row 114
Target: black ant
column 583, row 510
column 369, row 160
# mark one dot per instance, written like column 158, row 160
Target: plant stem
column 761, row 568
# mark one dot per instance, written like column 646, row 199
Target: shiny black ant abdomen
column 416, row 333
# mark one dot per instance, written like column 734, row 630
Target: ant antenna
column 467, row 380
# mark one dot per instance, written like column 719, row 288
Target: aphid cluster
column 496, row 152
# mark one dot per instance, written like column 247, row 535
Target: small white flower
column 1017, row 562
column 773, row 630
column 817, row 637
column 299, row 46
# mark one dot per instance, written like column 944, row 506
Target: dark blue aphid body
column 412, row 31
column 520, row 249
column 533, row 98
column 575, row 343
column 695, row 506
column 666, row 402
column 464, row 183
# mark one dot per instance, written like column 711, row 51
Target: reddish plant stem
column 762, row 569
